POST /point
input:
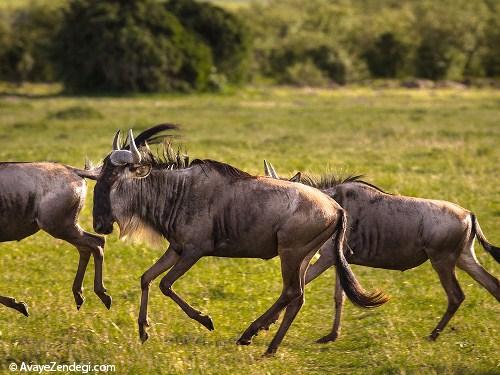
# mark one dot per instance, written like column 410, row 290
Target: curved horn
column 136, row 155
column 116, row 141
column 267, row 172
column 273, row 172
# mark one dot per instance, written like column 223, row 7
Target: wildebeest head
column 124, row 163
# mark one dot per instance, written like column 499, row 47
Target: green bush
column 134, row 45
column 304, row 52
column 304, row 74
column 386, row 56
column 433, row 56
column 227, row 36
column 26, row 40
column 491, row 57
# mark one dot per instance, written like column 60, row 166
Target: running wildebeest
column 398, row 233
column 49, row 197
column 209, row 208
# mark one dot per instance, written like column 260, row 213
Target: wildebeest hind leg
column 80, row 274
column 446, row 272
column 469, row 264
column 339, row 304
column 290, row 270
column 16, row 305
column 325, row 261
column 85, row 242
column 184, row 263
column 293, row 307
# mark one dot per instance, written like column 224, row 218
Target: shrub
column 226, row 35
column 304, row 51
column 134, row 45
column 304, row 74
column 386, row 56
column 433, row 56
column 26, row 40
column 491, row 56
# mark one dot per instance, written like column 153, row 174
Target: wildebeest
column 49, row 197
column 398, row 233
column 209, row 208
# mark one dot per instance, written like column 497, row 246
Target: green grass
column 438, row 144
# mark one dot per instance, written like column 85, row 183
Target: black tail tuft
column 493, row 250
column 350, row 284
column 495, row 253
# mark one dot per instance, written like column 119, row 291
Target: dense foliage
column 445, row 39
column 134, row 45
column 26, row 39
column 185, row 45
column 227, row 36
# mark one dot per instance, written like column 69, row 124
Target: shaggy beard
column 135, row 230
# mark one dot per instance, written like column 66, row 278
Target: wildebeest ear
column 296, row 177
column 141, row 171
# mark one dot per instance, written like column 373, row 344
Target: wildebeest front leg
column 166, row 261
column 339, row 304
column 16, row 305
column 184, row 263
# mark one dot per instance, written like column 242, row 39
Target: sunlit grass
column 429, row 143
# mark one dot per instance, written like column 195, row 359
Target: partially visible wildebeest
column 398, row 233
column 49, row 196
column 208, row 208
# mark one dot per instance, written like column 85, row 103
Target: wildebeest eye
column 140, row 171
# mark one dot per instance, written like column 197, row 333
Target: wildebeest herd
column 209, row 208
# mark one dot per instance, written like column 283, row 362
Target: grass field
column 439, row 144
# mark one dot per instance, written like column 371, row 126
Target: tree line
column 188, row 45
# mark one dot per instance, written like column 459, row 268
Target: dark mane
column 223, row 168
column 330, row 180
column 167, row 158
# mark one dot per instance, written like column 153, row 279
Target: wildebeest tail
column 90, row 172
column 350, row 284
column 493, row 250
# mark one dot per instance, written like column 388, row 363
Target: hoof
column 106, row 300
column 328, row 338
column 23, row 308
column 79, row 300
column 433, row 336
column 270, row 352
column 206, row 321
column 143, row 335
column 243, row 341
